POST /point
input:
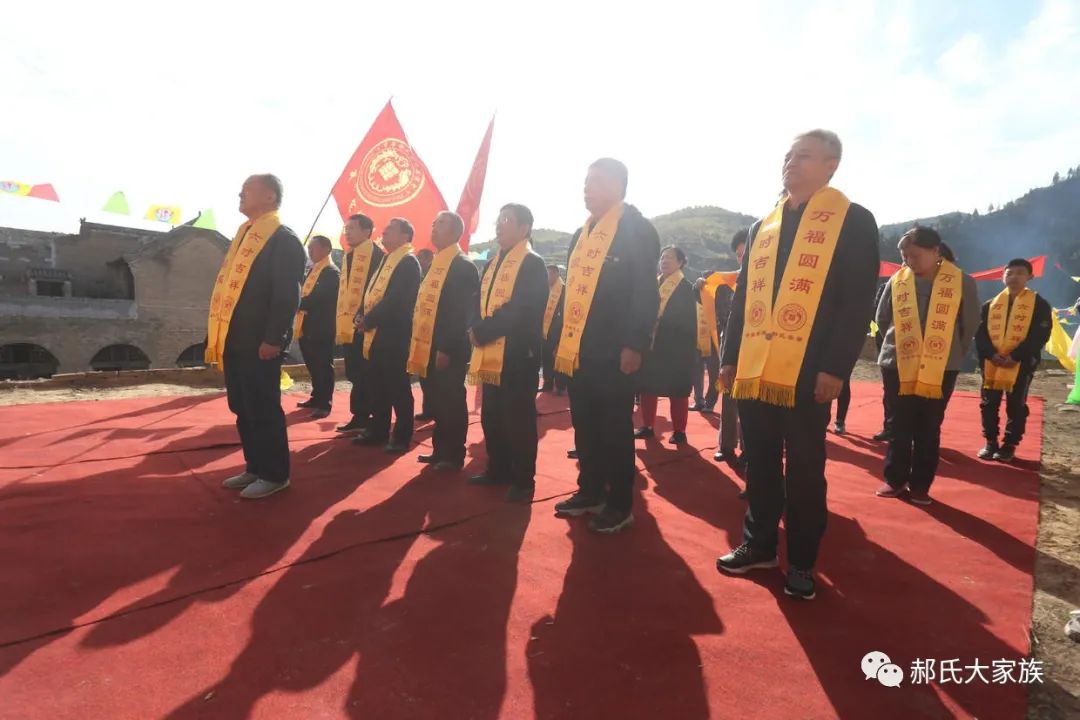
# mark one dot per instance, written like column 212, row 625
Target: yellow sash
column 708, row 308
column 922, row 354
column 586, row 264
column 486, row 364
column 1007, row 329
column 704, row 339
column 427, row 307
column 309, row 285
column 775, row 334
column 245, row 247
column 378, row 289
column 667, row 287
column 554, row 295
column 351, row 291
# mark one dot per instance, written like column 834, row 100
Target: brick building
column 106, row 298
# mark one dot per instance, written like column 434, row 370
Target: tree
column 1057, row 178
column 990, row 209
column 975, row 212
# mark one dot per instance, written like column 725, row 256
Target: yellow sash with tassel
column 704, row 338
column 486, row 364
column 554, row 295
column 378, row 289
column 708, row 309
column 427, row 307
column 667, row 287
column 249, row 241
column 775, row 334
column 1007, row 329
column 351, row 292
column 309, row 285
column 923, row 352
column 586, row 264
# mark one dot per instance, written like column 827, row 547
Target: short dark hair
column 363, row 221
column 522, row 214
column 322, row 240
column 679, row 254
column 1021, row 262
column 425, row 251
column 928, row 239
column 739, row 238
column 404, row 226
column 273, row 184
column 616, row 169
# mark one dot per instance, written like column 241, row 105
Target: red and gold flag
column 385, row 178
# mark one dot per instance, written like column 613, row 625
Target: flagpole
column 319, row 214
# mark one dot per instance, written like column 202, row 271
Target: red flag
column 1038, row 265
column 385, row 178
column 44, row 192
column 887, row 269
column 469, row 204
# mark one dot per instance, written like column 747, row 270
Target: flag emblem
column 390, row 174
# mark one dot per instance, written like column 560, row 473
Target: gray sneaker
column 262, row 488
column 800, row 584
column 239, row 482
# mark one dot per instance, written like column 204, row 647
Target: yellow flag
column 164, row 213
column 286, row 381
column 13, row 187
column 1058, row 345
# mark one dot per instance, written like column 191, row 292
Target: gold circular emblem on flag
column 935, row 345
column 757, row 313
column 390, row 174
column 792, row 317
column 577, row 312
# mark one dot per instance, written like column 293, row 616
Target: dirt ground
column 1057, row 567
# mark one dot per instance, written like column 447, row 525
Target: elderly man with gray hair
column 797, row 324
column 252, row 308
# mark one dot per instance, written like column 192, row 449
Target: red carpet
column 135, row 587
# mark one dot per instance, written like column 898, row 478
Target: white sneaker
column 239, row 482
column 262, row 488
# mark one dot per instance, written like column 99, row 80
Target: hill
column 704, row 233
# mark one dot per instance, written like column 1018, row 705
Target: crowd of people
column 623, row 330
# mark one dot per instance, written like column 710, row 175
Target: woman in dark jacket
column 668, row 368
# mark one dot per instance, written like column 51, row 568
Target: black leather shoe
column 518, row 494
column 572, row 454
column 306, row 404
column 485, row 479
column 353, row 426
column 320, row 413
column 427, row 459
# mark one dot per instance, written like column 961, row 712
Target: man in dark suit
column 448, row 359
column 778, row 428
column 618, row 329
column 508, row 412
column 316, row 340
column 729, row 434
column 358, row 244
column 553, row 381
column 258, row 332
column 390, row 316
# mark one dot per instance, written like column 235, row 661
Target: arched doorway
column 120, row 357
column 194, row 356
column 26, row 361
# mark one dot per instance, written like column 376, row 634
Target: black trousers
column 552, row 379
column 444, row 396
column 425, row 404
column 843, row 402
column 602, row 410
column 508, row 416
column 886, row 423
column 319, row 358
column 711, row 366
column 355, row 369
column 1016, row 410
column 912, row 457
column 770, row 434
column 389, row 390
column 253, row 387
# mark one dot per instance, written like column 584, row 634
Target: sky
column 941, row 106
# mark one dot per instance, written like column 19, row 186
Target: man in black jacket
column 358, row 241
column 833, row 342
column 444, row 387
column 1025, row 356
column 259, row 331
column 618, row 329
column 508, row 412
column 385, row 378
column 316, row 339
column 553, row 381
column 730, row 435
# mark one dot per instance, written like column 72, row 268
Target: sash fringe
column 921, row 389
column 485, row 377
column 999, row 384
column 766, row 392
column 415, row 368
column 566, row 366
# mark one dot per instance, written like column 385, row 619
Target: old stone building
column 106, row 298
